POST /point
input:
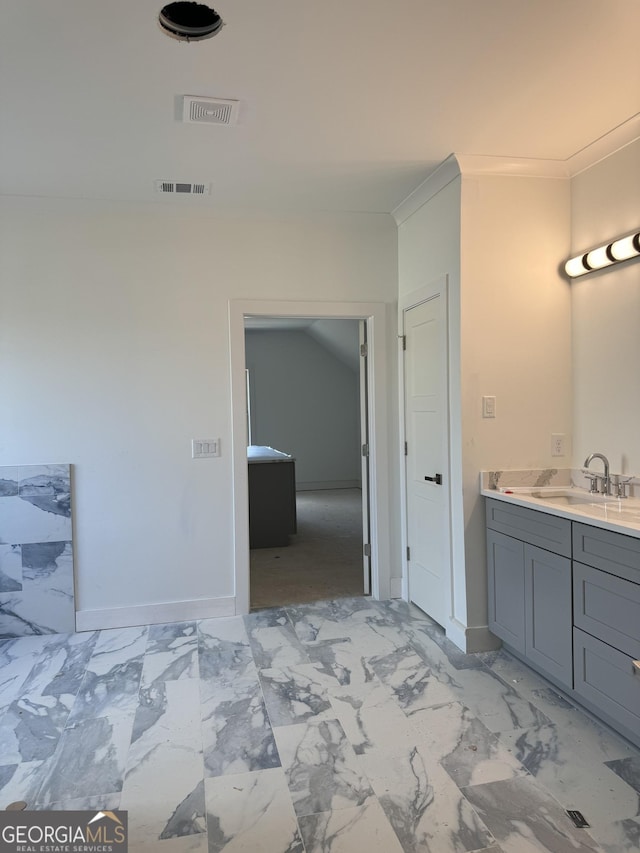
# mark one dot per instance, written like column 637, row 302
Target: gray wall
column 305, row 401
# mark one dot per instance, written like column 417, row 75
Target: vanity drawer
column 530, row 525
column 607, row 607
column 611, row 552
column 608, row 683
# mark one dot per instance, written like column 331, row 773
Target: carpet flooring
column 323, row 559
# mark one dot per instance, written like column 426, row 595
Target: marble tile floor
column 339, row 726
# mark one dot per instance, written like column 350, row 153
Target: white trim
column 153, row 614
column 396, row 588
column 442, row 175
column 312, row 486
column 469, row 640
column 621, row 136
column 518, row 167
column 526, row 167
column 375, row 314
column 402, row 428
column 439, row 286
column 457, row 633
column 480, row 639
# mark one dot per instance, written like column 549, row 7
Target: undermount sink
column 600, row 505
column 566, row 496
column 570, row 500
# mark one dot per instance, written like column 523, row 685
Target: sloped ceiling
column 340, row 337
column 345, row 105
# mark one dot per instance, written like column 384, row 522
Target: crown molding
column 516, row 167
column 616, row 139
column 441, row 176
column 459, row 164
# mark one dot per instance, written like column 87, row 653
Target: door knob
column 636, row 665
column 437, row 479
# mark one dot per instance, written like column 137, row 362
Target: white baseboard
column 395, row 588
column 153, row 614
column 478, row 639
column 404, row 585
column 328, row 484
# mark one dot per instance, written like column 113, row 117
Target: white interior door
column 364, row 439
column 425, row 392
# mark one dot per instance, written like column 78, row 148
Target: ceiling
column 345, row 105
column 278, row 324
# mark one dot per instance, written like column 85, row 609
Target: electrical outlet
column 557, row 444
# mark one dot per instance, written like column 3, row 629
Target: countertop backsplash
column 560, row 478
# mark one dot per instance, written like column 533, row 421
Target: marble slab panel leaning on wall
column 36, row 551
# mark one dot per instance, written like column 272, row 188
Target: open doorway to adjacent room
column 308, row 517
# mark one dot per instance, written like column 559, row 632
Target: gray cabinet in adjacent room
column 272, row 497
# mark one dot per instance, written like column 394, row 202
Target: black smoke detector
column 190, row 21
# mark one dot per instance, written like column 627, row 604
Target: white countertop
column 262, row 453
column 619, row 516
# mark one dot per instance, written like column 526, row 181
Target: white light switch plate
column 203, row 448
column 488, row 407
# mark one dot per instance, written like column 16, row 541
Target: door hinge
column 364, row 350
column 365, row 449
column 404, row 342
column 406, row 449
column 367, row 549
column 408, row 553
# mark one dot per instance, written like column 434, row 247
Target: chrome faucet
column 606, row 479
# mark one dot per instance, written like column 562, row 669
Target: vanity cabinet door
column 505, row 562
column 608, row 683
column 548, row 630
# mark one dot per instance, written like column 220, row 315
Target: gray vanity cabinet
column 506, row 588
column 548, row 641
column 565, row 597
column 606, row 634
column 530, row 587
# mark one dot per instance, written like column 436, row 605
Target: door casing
column 374, row 313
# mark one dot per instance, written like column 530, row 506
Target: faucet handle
column 593, row 482
column 621, row 484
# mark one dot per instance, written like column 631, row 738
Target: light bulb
column 603, row 256
column 574, row 267
column 598, row 258
column 625, row 248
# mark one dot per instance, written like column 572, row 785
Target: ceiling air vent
column 198, row 110
column 182, row 188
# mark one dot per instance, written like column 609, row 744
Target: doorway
column 304, row 378
column 374, row 314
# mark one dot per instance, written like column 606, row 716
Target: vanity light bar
column 604, row 256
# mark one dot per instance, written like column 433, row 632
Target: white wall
column 341, row 338
column 306, row 402
column 429, row 241
column 605, row 204
column 115, row 354
column 500, row 240
column 428, row 250
column 515, row 331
